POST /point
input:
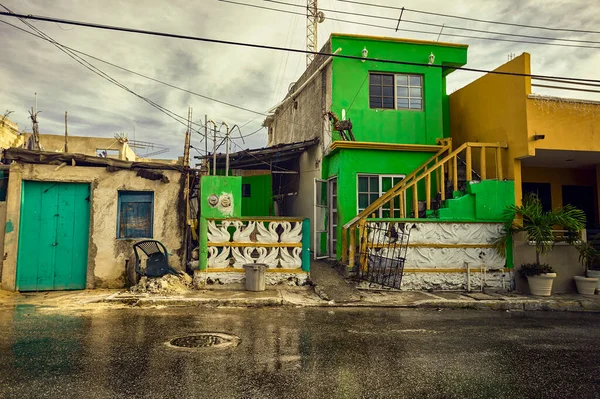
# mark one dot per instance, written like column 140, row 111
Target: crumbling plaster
column 106, row 253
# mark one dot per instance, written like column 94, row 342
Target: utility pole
column 206, row 144
column 66, row 133
column 214, row 166
column 188, row 133
column 226, row 149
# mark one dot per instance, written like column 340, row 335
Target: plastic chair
column 157, row 262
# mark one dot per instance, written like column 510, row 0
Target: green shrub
column 535, row 269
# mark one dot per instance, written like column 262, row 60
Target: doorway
column 53, row 236
column 581, row 197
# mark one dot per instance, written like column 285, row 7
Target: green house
column 398, row 111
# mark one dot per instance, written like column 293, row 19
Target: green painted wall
column 347, row 164
column 350, row 89
column 260, row 201
column 484, row 201
column 221, row 186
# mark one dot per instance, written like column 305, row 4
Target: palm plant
column 588, row 254
column 538, row 225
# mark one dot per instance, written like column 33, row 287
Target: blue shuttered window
column 136, row 214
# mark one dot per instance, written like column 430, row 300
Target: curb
column 495, row 305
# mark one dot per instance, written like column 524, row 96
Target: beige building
column 71, row 219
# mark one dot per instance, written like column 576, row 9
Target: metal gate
column 382, row 254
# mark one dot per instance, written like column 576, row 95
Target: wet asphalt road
column 299, row 353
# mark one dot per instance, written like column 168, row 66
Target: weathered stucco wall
column 9, row 132
column 106, row 253
column 84, row 145
column 449, row 256
column 303, row 117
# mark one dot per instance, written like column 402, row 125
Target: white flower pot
column 541, row 285
column 595, row 274
column 586, row 285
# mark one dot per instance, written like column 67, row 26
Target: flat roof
column 398, row 40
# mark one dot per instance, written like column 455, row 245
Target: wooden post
column 438, row 179
column 443, row 182
column 363, row 244
column 402, row 208
column 344, row 245
column 66, row 133
column 415, row 201
column 428, row 191
column 483, row 164
column 469, row 162
column 352, row 249
column 455, row 172
column 499, row 173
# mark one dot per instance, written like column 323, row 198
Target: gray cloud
column 251, row 78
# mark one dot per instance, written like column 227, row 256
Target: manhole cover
column 205, row 340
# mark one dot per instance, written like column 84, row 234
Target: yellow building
column 553, row 142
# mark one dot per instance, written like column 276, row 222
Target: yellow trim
column 464, row 270
column 399, row 40
column 261, row 219
column 367, row 145
column 255, row 244
column 237, row 270
column 418, row 245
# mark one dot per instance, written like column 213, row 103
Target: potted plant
column 538, row 226
column 587, row 284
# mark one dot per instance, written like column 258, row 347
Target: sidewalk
column 304, row 297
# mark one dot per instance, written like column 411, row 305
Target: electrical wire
column 178, row 118
column 268, row 47
column 471, row 19
column 444, row 26
column 414, row 30
column 133, row 72
column 138, row 73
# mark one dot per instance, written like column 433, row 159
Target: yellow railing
column 443, row 165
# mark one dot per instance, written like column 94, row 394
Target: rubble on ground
column 168, row 284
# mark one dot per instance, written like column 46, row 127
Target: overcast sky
column 251, row 78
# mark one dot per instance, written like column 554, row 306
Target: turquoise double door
column 53, row 236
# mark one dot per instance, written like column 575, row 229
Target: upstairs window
column 136, row 214
column 396, row 91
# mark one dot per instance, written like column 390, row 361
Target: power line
column 148, row 77
column 404, row 20
column 99, row 72
column 413, row 30
column 472, row 19
column 267, row 47
column 136, row 73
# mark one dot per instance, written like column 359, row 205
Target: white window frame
column 381, row 192
column 395, row 75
